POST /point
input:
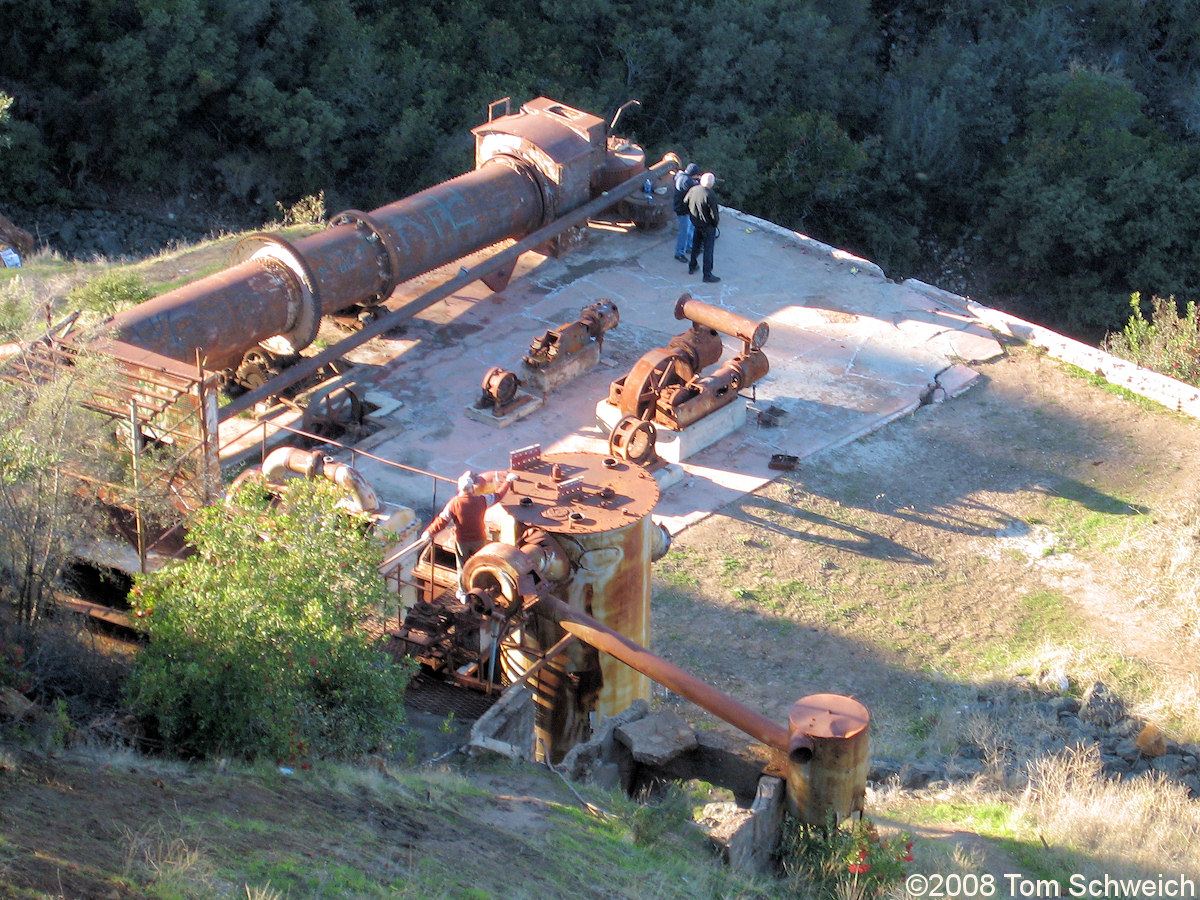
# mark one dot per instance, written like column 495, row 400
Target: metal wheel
column 333, row 411
column 633, row 439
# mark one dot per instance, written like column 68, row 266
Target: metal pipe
column 753, row 333
column 282, row 289
column 493, row 263
column 638, row 657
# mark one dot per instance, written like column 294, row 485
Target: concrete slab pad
column 849, row 351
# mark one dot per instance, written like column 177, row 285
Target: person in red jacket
column 465, row 510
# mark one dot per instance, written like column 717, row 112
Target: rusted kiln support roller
column 666, row 386
column 567, row 339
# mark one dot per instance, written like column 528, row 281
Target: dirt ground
column 912, row 569
column 919, row 562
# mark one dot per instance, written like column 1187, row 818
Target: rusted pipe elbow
column 352, row 481
column 282, row 460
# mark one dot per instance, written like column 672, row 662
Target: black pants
column 706, row 237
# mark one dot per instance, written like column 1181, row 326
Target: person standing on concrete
column 465, row 510
column 685, row 180
column 705, row 214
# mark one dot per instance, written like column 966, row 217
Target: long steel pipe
column 283, row 288
column 502, row 259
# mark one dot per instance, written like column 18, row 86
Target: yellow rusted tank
column 596, row 510
column 827, row 757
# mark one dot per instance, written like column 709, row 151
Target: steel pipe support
column 638, row 657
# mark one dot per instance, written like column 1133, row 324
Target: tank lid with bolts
column 579, row 493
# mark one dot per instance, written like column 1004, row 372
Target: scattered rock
column 1128, row 750
column 1063, row 706
column 1171, row 764
column 1114, row 766
column 883, row 768
column 1127, row 727
column 1192, row 783
column 657, row 739
column 18, row 708
column 918, row 774
column 1101, row 706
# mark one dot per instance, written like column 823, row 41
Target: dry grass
column 1138, row 828
column 1163, row 564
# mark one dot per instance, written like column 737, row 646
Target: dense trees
column 1063, row 137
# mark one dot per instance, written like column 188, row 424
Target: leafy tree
column 46, row 433
column 808, row 161
column 1092, row 200
column 24, row 159
column 257, row 645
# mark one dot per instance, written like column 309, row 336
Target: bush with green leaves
column 257, row 645
column 850, row 860
column 1166, row 342
column 47, row 433
column 109, row 292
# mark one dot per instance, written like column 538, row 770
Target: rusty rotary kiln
column 539, row 173
column 561, row 598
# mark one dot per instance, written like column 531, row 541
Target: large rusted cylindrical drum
column 597, row 509
column 827, row 758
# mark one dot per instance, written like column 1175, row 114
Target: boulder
column 657, row 739
column 1101, row 706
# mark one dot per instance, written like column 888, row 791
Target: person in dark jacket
column 705, row 214
column 685, row 180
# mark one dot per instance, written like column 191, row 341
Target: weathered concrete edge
column 812, row 245
column 1163, row 389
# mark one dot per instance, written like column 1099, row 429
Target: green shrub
column 109, row 292
column 257, row 646
column 848, row 861
column 1168, row 343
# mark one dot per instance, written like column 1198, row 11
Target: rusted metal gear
column 653, row 373
column 332, row 411
column 499, row 388
column 634, row 440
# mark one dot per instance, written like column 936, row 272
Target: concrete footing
column 548, row 378
column 522, row 405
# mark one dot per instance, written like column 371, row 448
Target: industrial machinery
column 540, row 173
column 533, row 168
column 498, row 391
column 564, row 589
column 666, row 386
column 557, row 345
column 561, row 600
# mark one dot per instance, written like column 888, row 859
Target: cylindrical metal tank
column 827, row 757
column 597, row 509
